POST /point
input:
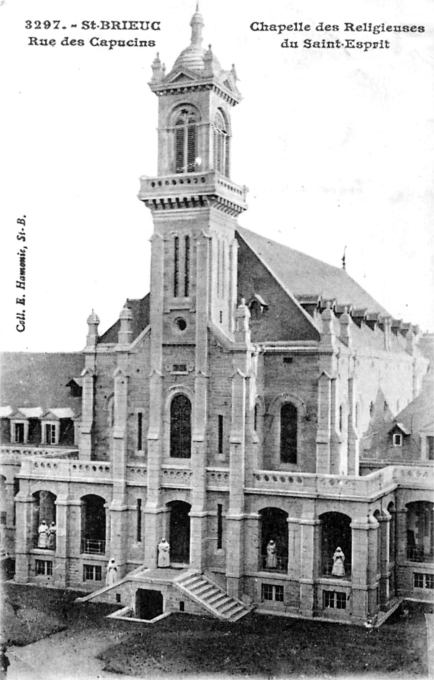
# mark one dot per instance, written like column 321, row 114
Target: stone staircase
column 197, row 587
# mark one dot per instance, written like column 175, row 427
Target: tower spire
column 196, row 24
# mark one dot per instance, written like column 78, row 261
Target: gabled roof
column 58, row 414
column 306, row 277
column 35, row 412
column 400, row 426
column 140, row 311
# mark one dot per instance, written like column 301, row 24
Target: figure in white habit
column 51, row 542
column 163, row 554
column 111, row 575
column 271, row 561
column 338, row 563
column 43, row 534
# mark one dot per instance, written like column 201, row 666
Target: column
column 384, row 557
column 294, row 562
column 25, row 531
column 309, row 561
column 364, row 568
column 60, row 572
column 323, row 458
column 86, row 427
column 198, row 514
column 235, row 515
column 153, row 512
column 353, row 439
column 118, row 508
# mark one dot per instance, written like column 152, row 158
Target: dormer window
column 397, row 439
column 186, row 140
column 221, row 144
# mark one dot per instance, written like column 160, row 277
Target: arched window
column 93, row 525
column 392, row 531
column 180, row 427
column 274, row 539
column 45, row 520
column 420, row 531
column 221, row 144
column 288, row 433
column 185, row 140
column 335, row 533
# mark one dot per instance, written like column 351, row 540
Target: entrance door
column 149, row 604
column 179, row 538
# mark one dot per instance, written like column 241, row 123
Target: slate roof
column 306, row 277
column 419, row 413
column 140, row 320
column 30, row 380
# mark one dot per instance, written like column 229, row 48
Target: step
column 239, row 615
column 219, row 596
column 232, row 608
column 203, row 591
column 196, row 586
column 223, row 607
column 191, row 582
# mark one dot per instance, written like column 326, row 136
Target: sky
column 335, row 146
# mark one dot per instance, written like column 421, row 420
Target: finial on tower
column 196, row 24
column 344, row 261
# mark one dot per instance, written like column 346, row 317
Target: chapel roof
column 308, row 278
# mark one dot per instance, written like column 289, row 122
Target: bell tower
column 192, row 199
column 194, row 204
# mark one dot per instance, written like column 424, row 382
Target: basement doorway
column 149, row 604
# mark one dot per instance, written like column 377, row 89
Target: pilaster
column 309, row 557
column 25, row 533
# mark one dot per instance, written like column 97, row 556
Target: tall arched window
column 221, row 144
column 185, row 140
column 335, row 533
column 180, row 427
column 288, row 433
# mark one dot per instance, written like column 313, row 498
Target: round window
column 181, row 324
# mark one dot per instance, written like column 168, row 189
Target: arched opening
column 93, row 525
column 392, row 531
column 420, row 531
column 221, row 144
column 377, row 516
column 186, row 140
column 44, row 520
column 3, row 513
column 179, row 532
column 274, row 540
column 335, row 534
column 180, row 427
column 392, row 546
column 288, row 433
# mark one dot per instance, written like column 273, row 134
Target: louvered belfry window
column 180, row 427
column 185, row 141
column 221, row 145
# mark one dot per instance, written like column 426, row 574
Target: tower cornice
column 186, row 86
column 193, row 190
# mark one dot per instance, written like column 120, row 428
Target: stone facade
column 229, row 407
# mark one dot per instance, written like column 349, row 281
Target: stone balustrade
column 342, row 486
column 217, row 477
column 176, row 477
column 66, row 470
column 16, row 453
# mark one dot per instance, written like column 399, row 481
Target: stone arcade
column 253, row 409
